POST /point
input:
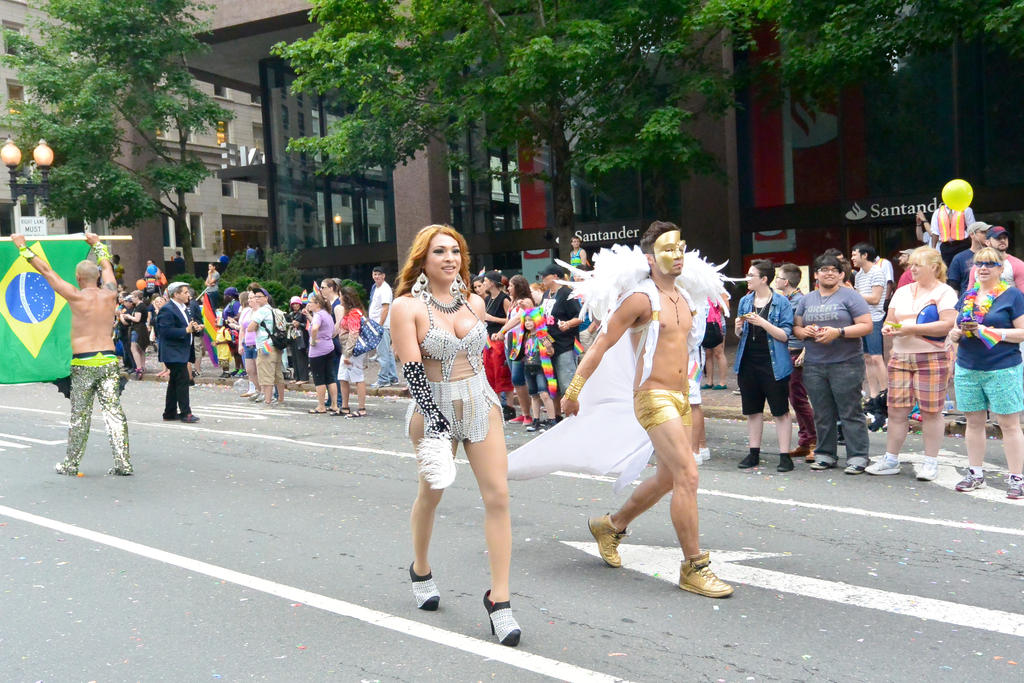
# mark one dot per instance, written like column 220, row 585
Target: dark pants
column 176, row 404
column 952, row 248
column 801, row 406
column 299, row 361
column 834, row 389
column 125, row 335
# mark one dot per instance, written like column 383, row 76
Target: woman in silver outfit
column 438, row 332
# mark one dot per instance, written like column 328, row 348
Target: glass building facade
column 346, row 219
column 813, row 176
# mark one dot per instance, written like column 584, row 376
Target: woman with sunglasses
column 919, row 318
column 988, row 374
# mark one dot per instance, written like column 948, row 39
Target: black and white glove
column 434, row 423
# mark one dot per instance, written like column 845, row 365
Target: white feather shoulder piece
column 703, row 280
column 617, row 270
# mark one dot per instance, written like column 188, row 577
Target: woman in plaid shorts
column 919, row 318
column 988, row 368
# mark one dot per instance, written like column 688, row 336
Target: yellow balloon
column 957, row 194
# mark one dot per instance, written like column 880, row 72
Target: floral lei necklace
column 976, row 305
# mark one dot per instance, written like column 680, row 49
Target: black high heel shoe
column 503, row 624
column 424, row 590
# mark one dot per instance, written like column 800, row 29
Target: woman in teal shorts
column 988, row 375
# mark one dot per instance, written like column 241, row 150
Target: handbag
column 712, row 335
column 370, row 334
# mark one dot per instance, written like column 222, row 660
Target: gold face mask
column 668, row 249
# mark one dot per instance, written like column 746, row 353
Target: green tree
column 826, row 45
column 602, row 85
column 108, row 86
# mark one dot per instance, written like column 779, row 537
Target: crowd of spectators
column 859, row 351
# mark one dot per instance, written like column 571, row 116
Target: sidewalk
column 718, row 404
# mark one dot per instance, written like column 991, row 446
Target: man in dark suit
column 174, row 328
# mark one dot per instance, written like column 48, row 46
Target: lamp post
column 43, row 156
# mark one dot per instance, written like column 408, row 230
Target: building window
column 257, row 136
column 227, row 188
column 261, row 192
column 169, row 240
column 255, row 98
column 15, row 93
column 13, row 28
column 220, row 91
column 223, row 132
column 195, row 224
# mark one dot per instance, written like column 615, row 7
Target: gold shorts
column 653, row 407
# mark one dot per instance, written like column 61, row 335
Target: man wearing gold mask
column 658, row 314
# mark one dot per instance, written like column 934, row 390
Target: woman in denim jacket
column 764, row 322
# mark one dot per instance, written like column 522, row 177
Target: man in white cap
column 959, row 272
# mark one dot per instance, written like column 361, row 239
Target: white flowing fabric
column 603, row 438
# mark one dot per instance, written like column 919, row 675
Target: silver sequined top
column 442, row 345
column 466, row 403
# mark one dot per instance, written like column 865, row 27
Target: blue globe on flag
column 29, row 298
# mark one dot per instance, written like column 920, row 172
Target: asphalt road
column 269, row 544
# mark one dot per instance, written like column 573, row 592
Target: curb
column 952, row 427
column 398, row 392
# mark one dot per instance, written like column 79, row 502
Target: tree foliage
column 104, row 79
column 602, row 85
column 826, row 45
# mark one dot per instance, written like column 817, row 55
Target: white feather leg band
column 436, row 461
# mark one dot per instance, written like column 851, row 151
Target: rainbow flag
column 209, row 328
column 577, row 346
column 316, row 288
column 987, row 336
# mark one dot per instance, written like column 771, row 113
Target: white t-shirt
column 382, row 295
column 907, row 302
column 864, row 282
column 887, row 269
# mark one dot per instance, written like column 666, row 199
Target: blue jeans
column 565, row 368
column 386, row 357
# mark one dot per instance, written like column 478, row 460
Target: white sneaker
column 882, row 466
column 927, row 471
column 256, row 397
column 705, row 454
column 698, row 458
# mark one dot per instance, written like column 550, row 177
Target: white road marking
column 519, row 659
column 663, row 563
column 788, row 502
column 42, row 442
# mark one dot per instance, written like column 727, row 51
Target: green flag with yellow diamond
column 35, row 330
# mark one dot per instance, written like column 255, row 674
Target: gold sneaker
column 696, row 576
column 608, row 538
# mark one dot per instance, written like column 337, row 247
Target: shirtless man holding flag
column 95, row 369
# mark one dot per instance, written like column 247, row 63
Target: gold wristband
column 575, row 387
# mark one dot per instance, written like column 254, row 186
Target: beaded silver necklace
column 449, row 308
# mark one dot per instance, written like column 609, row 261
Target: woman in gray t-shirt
column 831, row 320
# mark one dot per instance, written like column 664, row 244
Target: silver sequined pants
column 100, row 382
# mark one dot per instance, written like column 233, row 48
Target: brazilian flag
column 35, row 332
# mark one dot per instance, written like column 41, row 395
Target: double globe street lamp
column 43, row 156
